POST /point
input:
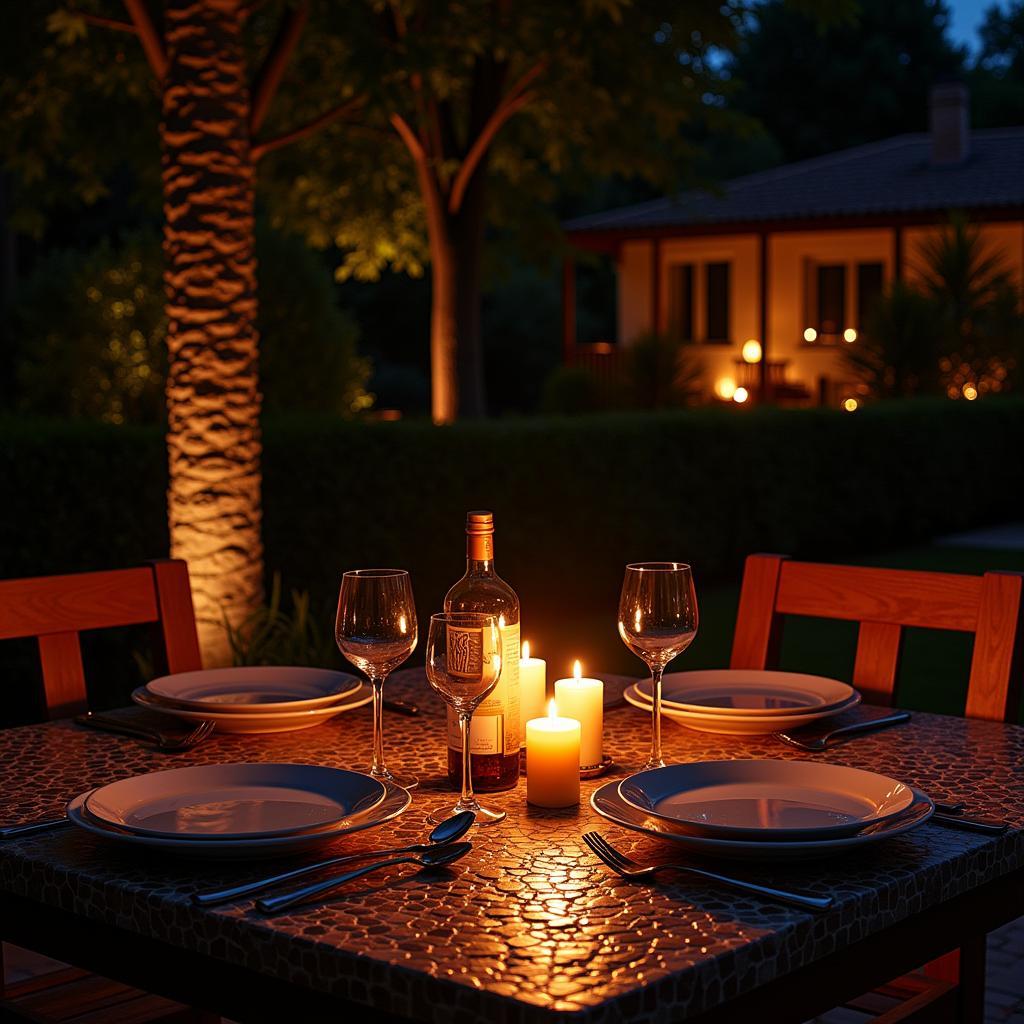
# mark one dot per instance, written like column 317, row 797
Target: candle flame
column 577, row 670
column 552, row 708
column 526, row 649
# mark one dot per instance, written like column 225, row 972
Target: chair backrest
column 55, row 609
column 884, row 601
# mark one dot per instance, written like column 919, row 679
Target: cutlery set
column 758, row 810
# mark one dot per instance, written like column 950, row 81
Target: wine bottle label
column 465, row 652
column 495, row 725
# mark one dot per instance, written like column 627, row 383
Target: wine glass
column 463, row 666
column 657, row 622
column 376, row 631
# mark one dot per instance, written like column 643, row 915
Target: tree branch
column 409, row 137
column 111, row 23
column 262, row 148
column 268, row 78
column 152, row 44
column 516, row 98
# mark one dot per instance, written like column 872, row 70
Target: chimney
column 949, row 119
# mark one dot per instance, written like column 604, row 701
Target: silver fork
column 634, row 871
column 168, row 743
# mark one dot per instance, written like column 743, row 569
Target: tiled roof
column 895, row 175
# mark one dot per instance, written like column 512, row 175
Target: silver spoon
column 446, row 832
column 431, row 859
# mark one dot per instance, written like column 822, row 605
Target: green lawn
column 935, row 665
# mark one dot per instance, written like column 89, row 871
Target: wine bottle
column 494, row 734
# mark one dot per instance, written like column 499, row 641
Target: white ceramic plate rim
column 340, row 685
column 242, row 849
column 830, row 692
column 635, row 697
column 193, row 780
column 746, row 850
column 353, row 700
column 657, row 783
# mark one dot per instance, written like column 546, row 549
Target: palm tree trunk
column 213, row 399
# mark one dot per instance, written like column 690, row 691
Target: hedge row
column 574, row 498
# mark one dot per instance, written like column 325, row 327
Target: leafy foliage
column 663, row 372
column 88, row 330
column 871, row 72
column 274, row 635
column 956, row 329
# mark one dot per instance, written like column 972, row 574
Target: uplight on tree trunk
column 213, row 399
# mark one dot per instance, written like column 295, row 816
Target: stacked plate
column 745, row 702
column 764, row 810
column 237, row 810
column 255, row 700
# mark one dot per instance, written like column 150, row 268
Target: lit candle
column 552, row 760
column 583, row 699
column 533, row 681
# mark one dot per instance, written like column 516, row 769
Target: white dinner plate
column 396, row 800
column 254, row 689
column 738, row 725
column 748, row 692
column 234, row 801
column 766, row 799
column 270, row 721
column 609, row 804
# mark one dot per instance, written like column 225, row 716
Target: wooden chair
column 55, row 610
column 884, row 602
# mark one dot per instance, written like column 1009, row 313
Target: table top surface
column 529, row 925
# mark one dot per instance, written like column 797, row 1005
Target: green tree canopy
column 819, row 88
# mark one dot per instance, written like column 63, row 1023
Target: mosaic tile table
column 529, row 927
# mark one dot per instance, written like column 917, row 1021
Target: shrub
column 663, row 372
column 570, row 391
column 89, row 328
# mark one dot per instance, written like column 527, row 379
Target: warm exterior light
column 849, row 334
column 751, row 351
column 725, row 388
column 740, row 395
column 810, row 334
column 970, row 392
column 851, row 405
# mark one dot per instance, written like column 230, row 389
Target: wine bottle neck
column 479, row 566
column 480, row 552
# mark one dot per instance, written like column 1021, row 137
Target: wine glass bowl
column 464, row 665
column 376, row 630
column 657, row 622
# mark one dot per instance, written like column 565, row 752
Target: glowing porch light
column 849, row 335
column 740, row 395
column 970, row 392
column 751, row 351
column 725, row 388
column 851, row 405
column 810, row 334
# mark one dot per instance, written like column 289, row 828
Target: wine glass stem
column 656, row 716
column 377, row 765
column 467, row 775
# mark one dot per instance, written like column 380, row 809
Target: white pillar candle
column 533, row 682
column 583, row 699
column 552, row 760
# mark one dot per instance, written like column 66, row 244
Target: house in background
column 791, row 258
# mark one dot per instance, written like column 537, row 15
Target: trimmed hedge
column 575, row 498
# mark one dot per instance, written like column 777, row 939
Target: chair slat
column 934, row 600
column 177, row 616
column 755, row 644
column 997, row 663
column 877, row 660
column 63, row 675
column 88, row 600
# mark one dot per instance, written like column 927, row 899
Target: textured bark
column 213, row 399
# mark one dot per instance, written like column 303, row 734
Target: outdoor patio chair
column 55, row 610
column 884, row 602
